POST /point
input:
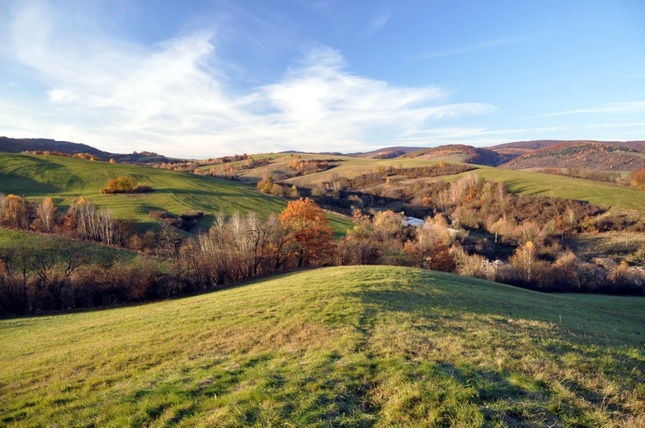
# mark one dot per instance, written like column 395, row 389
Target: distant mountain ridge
column 19, row 145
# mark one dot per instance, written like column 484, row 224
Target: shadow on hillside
column 24, row 186
column 494, row 387
column 516, row 187
column 508, row 315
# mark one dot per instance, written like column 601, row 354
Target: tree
column 309, row 236
column 46, row 215
column 637, row 178
column 15, row 212
column 123, row 184
column 524, row 260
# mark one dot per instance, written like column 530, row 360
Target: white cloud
column 173, row 97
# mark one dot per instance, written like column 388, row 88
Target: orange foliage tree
column 14, row 212
column 637, row 178
column 309, row 236
column 123, row 184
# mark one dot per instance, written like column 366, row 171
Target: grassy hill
column 65, row 179
column 599, row 193
column 469, row 154
column 12, row 240
column 521, row 182
column 352, row 346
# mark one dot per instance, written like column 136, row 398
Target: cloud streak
column 508, row 41
column 174, row 97
column 613, row 108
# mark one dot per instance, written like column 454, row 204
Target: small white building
column 412, row 221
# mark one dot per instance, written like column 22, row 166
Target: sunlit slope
column 65, row 179
column 599, row 193
column 351, row 346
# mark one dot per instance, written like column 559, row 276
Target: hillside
column 353, row 346
column 534, row 183
column 532, row 145
column 19, row 145
column 521, row 182
column 588, row 155
column 467, row 154
column 385, row 153
column 37, row 176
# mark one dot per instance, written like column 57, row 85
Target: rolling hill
column 588, row 155
column 352, row 346
column 609, row 195
column 466, row 154
column 19, row 145
column 64, row 179
column 521, row 182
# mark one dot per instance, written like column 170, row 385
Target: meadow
column 14, row 241
column 347, row 346
column 64, row 179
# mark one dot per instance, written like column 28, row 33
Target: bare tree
column 46, row 215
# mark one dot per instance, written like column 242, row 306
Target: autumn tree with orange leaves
column 308, row 234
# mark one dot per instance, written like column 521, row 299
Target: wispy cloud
column 174, row 97
column 379, row 21
column 621, row 108
column 507, row 41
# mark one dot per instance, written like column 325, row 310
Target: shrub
column 123, row 184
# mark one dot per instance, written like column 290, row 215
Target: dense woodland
column 472, row 227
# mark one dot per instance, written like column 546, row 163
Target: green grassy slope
column 65, row 179
column 352, row 346
column 533, row 183
column 13, row 240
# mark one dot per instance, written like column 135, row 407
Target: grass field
column 11, row 240
column 351, row 346
column 521, row 182
column 596, row 192
column 65, row 179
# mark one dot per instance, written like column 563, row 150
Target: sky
column 200, row 79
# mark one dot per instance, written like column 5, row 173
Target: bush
column 124, row 184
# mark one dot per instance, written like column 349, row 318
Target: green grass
column 11, row 240
column 64, row 179
column 351, row 346
column 599, row 193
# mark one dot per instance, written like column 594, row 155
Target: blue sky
column 209, row 78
